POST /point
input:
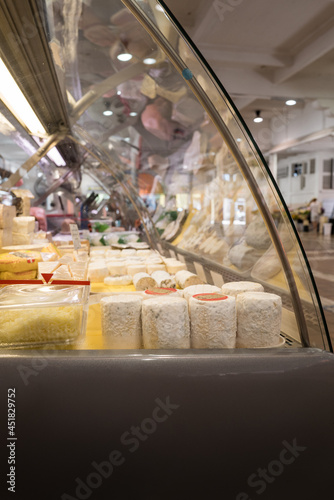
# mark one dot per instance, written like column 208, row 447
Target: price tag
column 75, row 236
column 200, row 271
column 217, row 279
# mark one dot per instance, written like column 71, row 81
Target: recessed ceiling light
column 107, row 112
column 290, row 102
column 133, row 113
column 124, row 57
column 149, row 60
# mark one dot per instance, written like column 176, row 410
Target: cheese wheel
column 151, row 268
column 259, row 317
column 235, row 287
column 143, row 281
column 118, row 280
column 174, row 266
column 117, row 268
column 160, row 292
column 6, row 237
column 186, row 278
column 97, row 273
column 165, row 323
column 136, row 268
column 121, row 321
column 213, row 321
column 163, row 279
column 24, row 224
column 22, row 238
column 195, row 289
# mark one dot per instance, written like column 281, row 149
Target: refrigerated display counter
column 132, row 110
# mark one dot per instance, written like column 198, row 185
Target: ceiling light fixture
column 258, row 118
column 290, row 102
column 149, row 60
column 13, row 98
column 107, row 112
column 124, row 57
column 133, row 113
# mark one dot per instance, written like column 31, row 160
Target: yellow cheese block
column 25, row 275
column 7, row 215
column 17, row 262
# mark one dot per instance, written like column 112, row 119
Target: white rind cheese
column 174, row 266
column 186, row 278
column 213, row 322
column 126, row 252
column 134, row 268
column 259, row 317
column 194, row 289
column 121, row 321
column 143, row 281
column 97, row 273
column 118, row 280
column 117, row 268
column 166, row 323
column 152, row 267
column 164, row 279
column 235, row 287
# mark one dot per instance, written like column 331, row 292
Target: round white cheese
column 143, row 281
column 235, row 287
column 136, row 268
column 174, row 266
column 186, row 278
column 194, row 289
column 117, row 268
column 165, row 323
column 213, row 321
column 121, row 321
column 163, row 279
column 150, row 268
column 259, row 317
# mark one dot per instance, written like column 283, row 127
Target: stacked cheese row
column 7, row 214
column 119, row 267
column 204, row 318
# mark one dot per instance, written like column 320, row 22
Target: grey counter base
column 170, row 424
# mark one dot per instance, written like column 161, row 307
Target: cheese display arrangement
column 42, row 314
column 213, row 321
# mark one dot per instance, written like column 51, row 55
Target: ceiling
column 265, row 51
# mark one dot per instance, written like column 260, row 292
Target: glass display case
column 131, row 121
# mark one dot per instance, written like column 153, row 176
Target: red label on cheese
column 209, row 296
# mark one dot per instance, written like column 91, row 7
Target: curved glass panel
column 148, row 119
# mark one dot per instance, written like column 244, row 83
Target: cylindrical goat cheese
column 164, row 279
column 186, row 278
column 118, row 280
column 195, row 289
column 117, row 268
column 235, row 287
column 213, row 322
column 174, row 266
column 165, row 323
column 121, row 321
column 143, row 281
column 112, row 253
column 135, row 268
column 259, row 317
